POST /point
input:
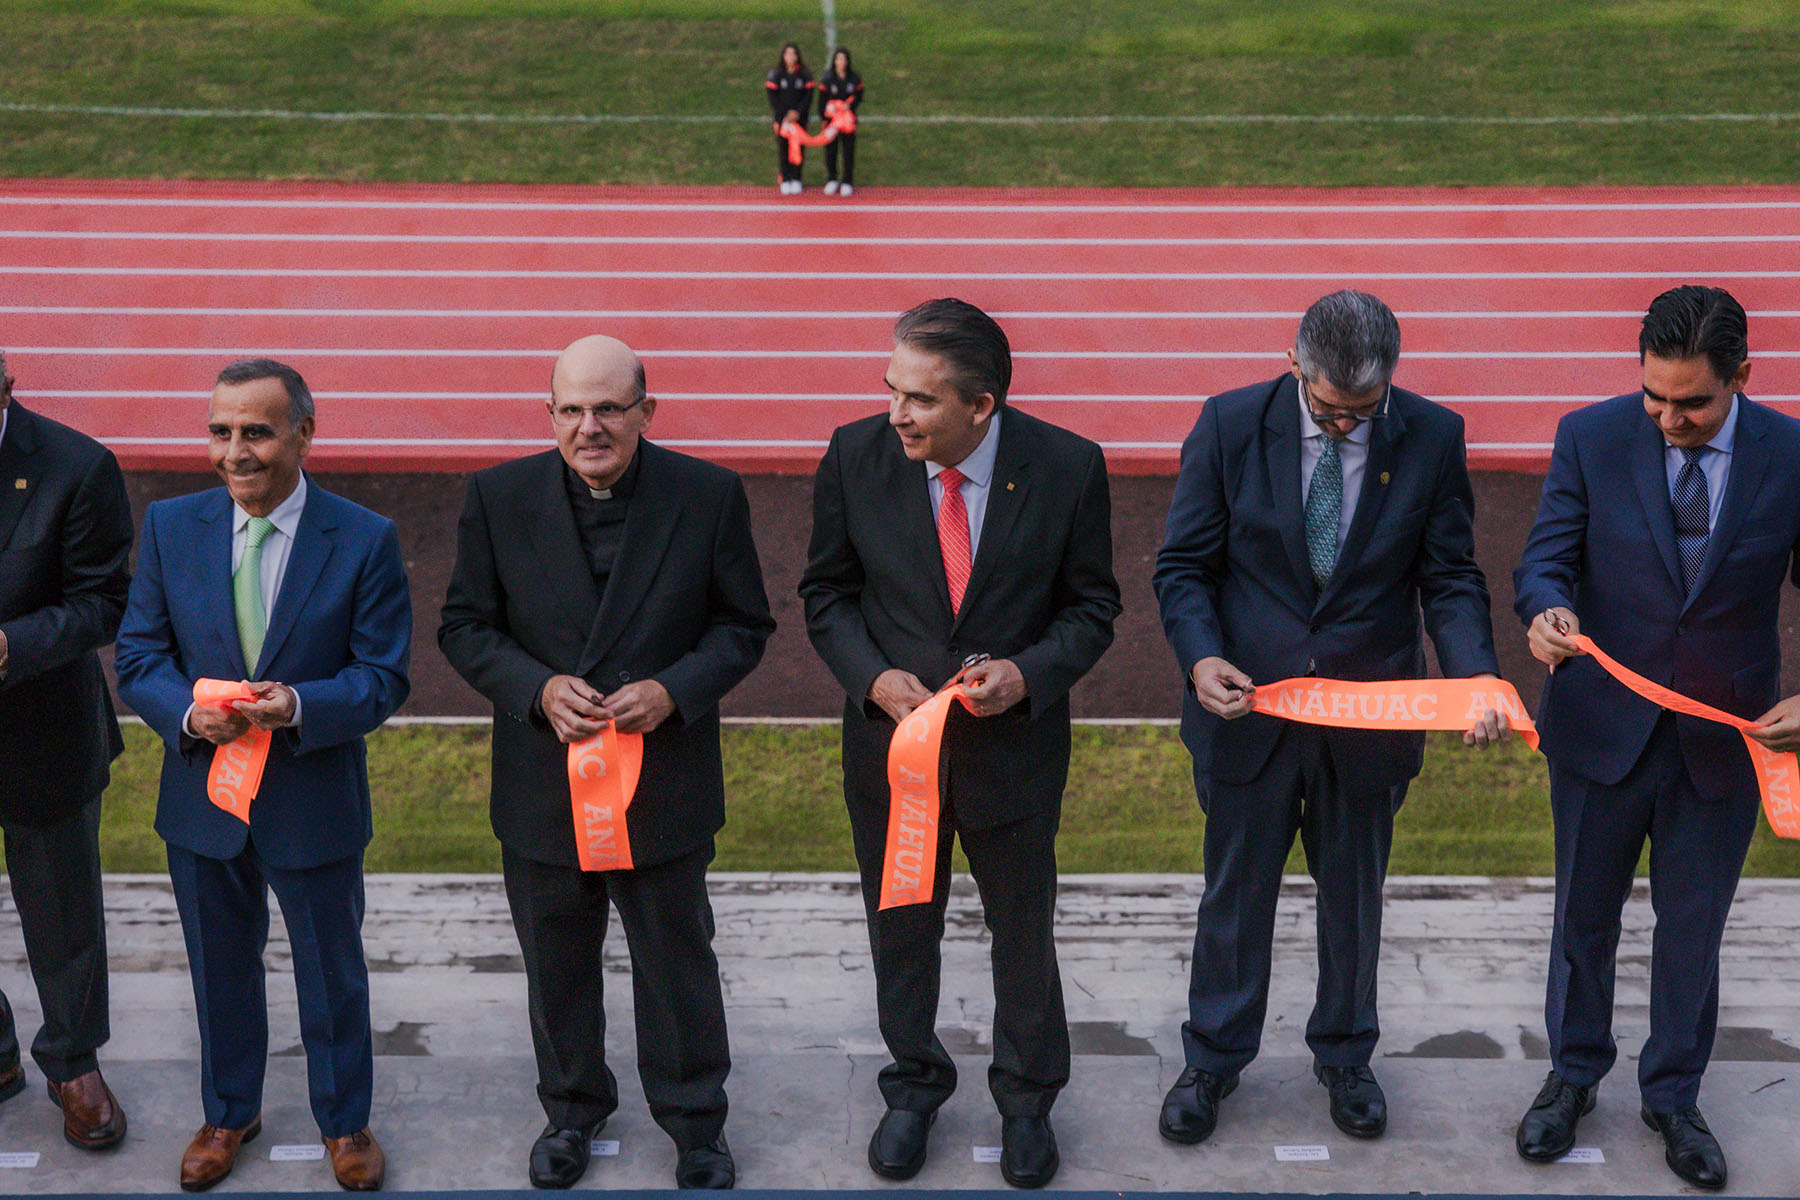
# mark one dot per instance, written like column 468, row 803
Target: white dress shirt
column 1353, row 453
column 276, row 548
column 978, row 475
column 1715, row 465
column 4, row 413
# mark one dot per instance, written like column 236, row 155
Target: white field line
column 683, row 443
column 1058, row 208
column 784, row 354
column 828, row 11
column 428, row 239
column 246, row 272
column 874, row 401
column 1017, row 119
column 728, row 314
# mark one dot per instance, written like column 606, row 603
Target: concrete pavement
column 1461, row 1056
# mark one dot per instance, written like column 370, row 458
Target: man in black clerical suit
column 65, row 547
column 954, row 525
column 611, row 580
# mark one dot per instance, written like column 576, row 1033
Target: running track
column 427, row 317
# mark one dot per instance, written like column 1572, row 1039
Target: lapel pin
column 1384, row 477
column 1009, row 487
column 19, row 484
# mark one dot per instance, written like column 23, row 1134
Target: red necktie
column 953, row 536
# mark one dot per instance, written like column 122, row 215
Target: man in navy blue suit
column 1316, row 516
column 1667, row 524
column 271, row 579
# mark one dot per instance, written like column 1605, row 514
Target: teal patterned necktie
column 1324, row 503
column 246, row 592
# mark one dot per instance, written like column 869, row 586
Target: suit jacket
column 65, row 547
column 1604, row 546
column 684, row 606
column 1234, row 581
column 339, row 635
column 1040, row 592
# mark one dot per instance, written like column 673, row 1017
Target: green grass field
column 1130, row 806
column 921, row 58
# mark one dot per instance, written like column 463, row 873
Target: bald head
column 599, row 407
column 602, row 363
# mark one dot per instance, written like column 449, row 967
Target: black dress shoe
column 1547, row 1130
column 1693, row 1152
column 1191, row 1109
column 559, row 1157
column 897, row 1150
column 1357, row 1105
column 1028, row 1157
column 708, row 1167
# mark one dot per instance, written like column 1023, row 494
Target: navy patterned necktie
column 1693, row 514
column 1324, row 504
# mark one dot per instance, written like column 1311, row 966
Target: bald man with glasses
column 1315, row 517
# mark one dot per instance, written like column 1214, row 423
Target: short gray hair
column 1351, row 339
column 248, row 370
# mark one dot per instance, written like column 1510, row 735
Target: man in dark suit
column 1314, row 518
column 65, row 545
column 952, row 526
column 611, row 580
column 1667, row 524
column 275, row 580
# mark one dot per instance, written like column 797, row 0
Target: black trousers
column 787, row 170
column 1249, row 830
column 1014, row 866
column 848, row 142
column 683, row 1055
column 1697, row 852
column 55, row 875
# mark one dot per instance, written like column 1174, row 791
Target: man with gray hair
column 1316, row 516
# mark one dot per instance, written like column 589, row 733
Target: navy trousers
column 225, row 918
column 1249, row 829
column 1697, row 851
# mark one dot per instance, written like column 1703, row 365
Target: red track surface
column 426, row 317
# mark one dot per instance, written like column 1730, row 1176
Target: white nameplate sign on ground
column 19, row 1159
column 987, row 1154
column 1302, row 1154
column 1583, row 1154
column 303, row 1153
column 609, row 1148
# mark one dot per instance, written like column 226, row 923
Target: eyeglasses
column 607, row 414
column 1330, row 418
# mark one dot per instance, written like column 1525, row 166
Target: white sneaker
column 831, row 187
column 782, row 187
column 798, row 187
column 846, row 190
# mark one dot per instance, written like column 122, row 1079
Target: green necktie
column 246, row 592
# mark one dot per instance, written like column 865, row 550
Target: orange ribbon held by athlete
column 839, row 118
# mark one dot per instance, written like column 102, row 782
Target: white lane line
column 687, row 443
column 1020, row 119
column 1673, row 274
column 785, row 354
column 728, row 314
column 802, row 241
column 814, row 210
column 874, row 401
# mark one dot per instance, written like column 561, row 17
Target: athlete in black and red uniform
column 840, row 83
column 790, row 87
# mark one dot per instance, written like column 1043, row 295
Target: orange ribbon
column 603, row 777
column 840, row 118
column 1777, row 774
column 1395, row 704
column 909, row 868
column 237, row 766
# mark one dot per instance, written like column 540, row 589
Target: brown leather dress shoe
column 92, row 1116
column 212, row 1154
column 357, row 1161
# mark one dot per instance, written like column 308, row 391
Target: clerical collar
column 621, row 489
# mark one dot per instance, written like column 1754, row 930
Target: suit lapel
column 1749, row 462
column 1646, row 449
column 1378, row 470
column 1008, row 488
column 1281, row 458
column 216, row 520
column 556, row 546
column 18, row 453
column 314, row 542
column 649, row 525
